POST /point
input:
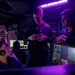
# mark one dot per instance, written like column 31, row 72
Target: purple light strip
column 54, row 3
column 62, row 1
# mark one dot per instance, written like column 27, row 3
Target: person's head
column 3, row 49
column 38, row 15
column 67, row 17
column 16, row 45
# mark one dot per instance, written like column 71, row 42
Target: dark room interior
column 16, row 16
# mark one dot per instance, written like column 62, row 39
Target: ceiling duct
column 5, row 6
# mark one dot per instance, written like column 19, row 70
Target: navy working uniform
column 12, row 64
column 38, row 50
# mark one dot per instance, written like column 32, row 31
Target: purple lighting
column 62, row 1
column 45, row 5
column 54, row 3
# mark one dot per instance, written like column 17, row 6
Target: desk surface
column 48, row 70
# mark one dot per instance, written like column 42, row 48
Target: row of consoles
column 21, row 42
column 61, row 54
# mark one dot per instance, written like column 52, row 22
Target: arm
column 48, row 35
column 61, row 37
column 30, row 33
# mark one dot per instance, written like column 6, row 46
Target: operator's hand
column 32, row 37
column 42, row 37
column 61, row 39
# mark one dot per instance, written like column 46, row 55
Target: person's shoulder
column 63, row 30
column 47, row 25
column 11, row 58
column 14, row 62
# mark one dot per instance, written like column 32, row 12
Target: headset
column 2, row 52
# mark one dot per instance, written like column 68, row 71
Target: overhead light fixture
column 54, row 3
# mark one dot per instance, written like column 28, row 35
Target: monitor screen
column 67, row 55
column 11, row 42
column 56, row 53
column 71, row 55
column 20, row 41
column 64, row 52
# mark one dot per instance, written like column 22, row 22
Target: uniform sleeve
column 27, row 32
column 50, row 36
column 62, row 32
column 14, row 63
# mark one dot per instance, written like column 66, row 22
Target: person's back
column 12, row 64
column 16, row 49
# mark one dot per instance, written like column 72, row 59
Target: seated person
column 16, row 49
column 67, row 17
column 11, row 54
column 20, row 54
column 7, row 62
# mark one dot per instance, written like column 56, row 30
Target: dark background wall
column 19, row 12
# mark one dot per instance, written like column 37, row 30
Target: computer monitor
column 71, row 53
column 56, row 54
column 11, row 42
column 20, row 41
column 63, row 54
column 67, row 54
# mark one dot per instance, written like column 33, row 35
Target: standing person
column 68, row 21
column 38, row 35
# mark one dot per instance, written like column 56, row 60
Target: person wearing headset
column 7, row 61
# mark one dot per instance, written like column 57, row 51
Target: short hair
column 68, row 12
column 16, row 45
column 37, row 10
column 1, row 44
